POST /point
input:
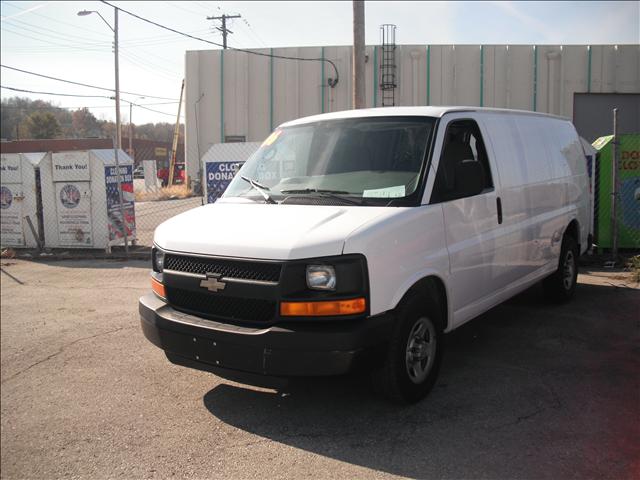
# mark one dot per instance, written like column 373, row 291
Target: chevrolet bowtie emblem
column 212, row 283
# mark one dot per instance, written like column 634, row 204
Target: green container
column 629, row 198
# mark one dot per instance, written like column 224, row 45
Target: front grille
column 218, row 307
column 246, row 270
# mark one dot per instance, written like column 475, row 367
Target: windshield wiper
column 337, row 194
column 263, row 189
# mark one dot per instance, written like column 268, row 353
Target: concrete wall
column 234, row 93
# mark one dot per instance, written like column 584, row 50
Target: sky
column 51, row 39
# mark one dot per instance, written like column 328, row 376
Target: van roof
column 431, row 111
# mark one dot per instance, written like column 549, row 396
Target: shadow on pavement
column 109, row 263
column 527, row 390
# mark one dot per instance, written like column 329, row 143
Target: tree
column 43, row 125
column 84, row 124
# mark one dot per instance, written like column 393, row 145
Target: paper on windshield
column 388, row 192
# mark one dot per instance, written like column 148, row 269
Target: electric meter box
column 220, row 164
column 18, row 199
column 81, row 203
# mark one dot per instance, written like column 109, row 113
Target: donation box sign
column 11, row 233
column 71, row 177
column 219, row 175
column 114, row 212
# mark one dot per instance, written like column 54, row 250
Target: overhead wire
column 16, row 89
column 251, row 52
column 49, row 42
column 82, row 84
column 93, row 96
column 136, row 62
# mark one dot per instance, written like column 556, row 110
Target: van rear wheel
column 414, row 353
column 561, row 286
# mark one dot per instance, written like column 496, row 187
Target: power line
column 51, row 93
column 82, row 96
column 92, row 96
column 333, row 83
column 82, row 84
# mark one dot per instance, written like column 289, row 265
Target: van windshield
column 367, row 161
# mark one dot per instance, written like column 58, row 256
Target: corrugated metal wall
column 232, row 93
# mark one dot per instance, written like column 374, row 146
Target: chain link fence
column 72, row 201
column 615, row 187
column 58, row 205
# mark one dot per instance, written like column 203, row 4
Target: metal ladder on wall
column 388, row 64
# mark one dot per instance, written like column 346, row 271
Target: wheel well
column 432, row 286
column 573, row 231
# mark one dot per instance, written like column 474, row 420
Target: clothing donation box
column 85, row 209
column 18, row 204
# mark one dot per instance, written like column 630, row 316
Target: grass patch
column 167, row 193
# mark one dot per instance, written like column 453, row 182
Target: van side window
column 462, row 143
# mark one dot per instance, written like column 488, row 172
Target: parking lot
column 529, row 390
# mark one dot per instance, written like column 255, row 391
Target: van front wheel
column 561, row 286
column 414, row 353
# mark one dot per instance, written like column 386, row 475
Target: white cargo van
column 354, row 240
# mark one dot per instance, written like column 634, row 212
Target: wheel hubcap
column 421, row 349
column 568, row 270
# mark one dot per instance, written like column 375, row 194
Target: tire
column 561, row 286
column 414, row 353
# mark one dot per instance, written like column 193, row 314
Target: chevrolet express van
column 355, row 240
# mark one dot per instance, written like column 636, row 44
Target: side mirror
column 469, row 178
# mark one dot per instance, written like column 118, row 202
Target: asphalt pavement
column 529, row 390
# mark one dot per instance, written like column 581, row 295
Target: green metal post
column 271, row 92
column 375, row 76
column 322, row 84
column 535, row 77
column 428, row 74
column 481, row 75
column 589, row 70
column 221, row 96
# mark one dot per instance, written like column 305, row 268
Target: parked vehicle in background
column 178, row 176
column 355, row 240
column 138, row 172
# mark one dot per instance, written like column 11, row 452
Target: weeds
column 166, row 193
column 634, row 266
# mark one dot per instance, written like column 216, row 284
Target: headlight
column 157, row 259
column 321, row 277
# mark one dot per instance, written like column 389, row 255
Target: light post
column 117, row 141
column 114, row 29
column 131, row 104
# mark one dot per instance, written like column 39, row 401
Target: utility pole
column 358, row 54
column 224, row 28
column 117, row 67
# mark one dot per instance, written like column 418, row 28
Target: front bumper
column 302, row 348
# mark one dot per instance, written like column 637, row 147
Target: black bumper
column 309, row 348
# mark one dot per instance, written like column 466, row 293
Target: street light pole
column 117, row 140
column 131, row 130
column 114, row 29
column 115, row 33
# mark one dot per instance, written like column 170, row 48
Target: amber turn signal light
column 323, row 309
column 158, row 288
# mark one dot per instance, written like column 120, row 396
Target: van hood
column 264, row 231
